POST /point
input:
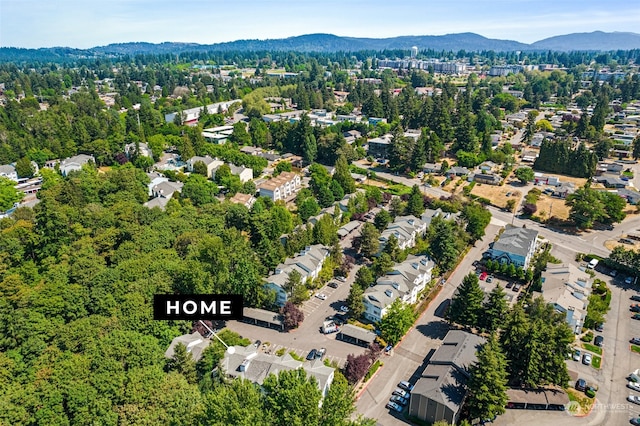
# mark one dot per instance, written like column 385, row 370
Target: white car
column 628, row 280
column 634, row 399
column 344, row 308
column 321, row 296
column 633, row 385
column 586, row 359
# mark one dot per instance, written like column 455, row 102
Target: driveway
column 412, row 353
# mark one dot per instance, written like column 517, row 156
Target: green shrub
column 372, row 370
column 587, row 337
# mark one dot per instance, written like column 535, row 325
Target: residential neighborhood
column 411, row 235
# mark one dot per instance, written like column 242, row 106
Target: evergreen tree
column 494, row 310
column 342, row 175
column 466, row 304
column 512, row 339
column 487, row 383
column 415, row 205
column 183, row 363
column 355, row 302
column 369, row 240
column 635, row 153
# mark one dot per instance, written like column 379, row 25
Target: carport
column 263, row 318
column 537, row 399
column 356, row 335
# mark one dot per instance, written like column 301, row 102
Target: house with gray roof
column 432, row 167
column 75, row 163
column 9, row 171
column 405, row 281
column 194, row 342
column 166, row 189
column 457, row 171
column 515, row 245
column 440, row 392
column 308, row 263
column 248, row 363
column 405, row 229
column 611, row 181
column 632, row 196
column 211, row 163
column 487, row 178
column 567, row 288
column 378, row 147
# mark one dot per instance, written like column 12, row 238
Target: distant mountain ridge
column 594, row 41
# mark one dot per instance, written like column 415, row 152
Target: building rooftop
column 516, row 240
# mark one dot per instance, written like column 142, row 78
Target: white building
column 75, row 163
column 211, row 163
column 248, row 363
column 9, row 172
column 567, row 288
column 404, row 282
column 405, row 229
column 280, row 187
column 308, row 263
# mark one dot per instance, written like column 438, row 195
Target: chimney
column 245, row 364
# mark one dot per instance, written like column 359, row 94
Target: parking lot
column 308, row 335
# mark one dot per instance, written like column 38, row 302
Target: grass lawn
column 592, row 348
column 635, row 348
column 596, row 362
column 584, row 402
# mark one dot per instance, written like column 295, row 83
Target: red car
column 483, row 276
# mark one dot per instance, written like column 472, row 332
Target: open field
column 554, row 205
column 497, row 194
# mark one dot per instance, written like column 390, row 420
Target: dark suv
column 581, row 384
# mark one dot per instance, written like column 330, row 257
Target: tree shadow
column 434, row 329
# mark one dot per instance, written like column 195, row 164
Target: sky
column 90, row 23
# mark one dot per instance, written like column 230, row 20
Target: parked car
column 628, row 280
column 395, row 407
column 586, row 359
column 600, row 327
column 333, row 284
column 320, row 353
column 490, row 279
column 635, row 421
column 401, row 392
column 581, row 384
column 257, row 343
column 636, row 340
column 399, row 400
column 634, row 308
column 483, row 276
column 312, row 355
column 344, row 308
column 321, row 296
column 341, row 279
column 613, row 273
column 598, row 341
column 509, row 284
column 636, row 316
column 634, row 386
column 516, row 288
column 634, row 399
column 576, row 355
column 406, row 386
column 636, row 297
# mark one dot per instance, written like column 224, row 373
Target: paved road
column 410, row 355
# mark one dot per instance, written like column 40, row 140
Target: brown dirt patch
column 497, row 194
column 556, row 205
